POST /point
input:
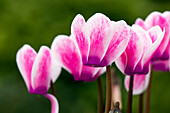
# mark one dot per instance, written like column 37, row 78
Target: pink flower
column 163, row 20
column 54, row 103
column 66, row 52
column 161, row 65
column 37, row 70
column 100, row 41
column 140, row 49
column 140, row 83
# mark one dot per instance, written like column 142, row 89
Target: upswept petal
column 140, row 22
column 67, row 53
column 147, row 42
column 54, row 103
column 118, row 43
column 80, row 35
column 133, row 53
column 25, row 60
column 88, row 73
column 140, row 83
column 154, row 19
column 166, row 54
column 99, row 30
column 161, row 65
column 99, row 73
column 121, row 62
column 156, row 35
column 55, row 69
column 41, row 71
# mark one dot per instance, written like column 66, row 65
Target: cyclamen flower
column 163, row 20
column 161, row 65
column 38, row 70
column 142, row 45
column 99, row 40
column 140, row 83
column 66, row 52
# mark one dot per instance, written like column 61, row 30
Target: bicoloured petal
column 99, row 73
column 140, row 22
column 154, row 19
column 118, row 43
column 161, row 65
column 25, row 59
column 88, row 73
column 140, row 83
column 41, row 71
column 156, row 35
column 99, row 30
column 66, row 52
column 54, row 103
column 147, row 42
column 55, row 69
column 79, row 33
column 132, row 55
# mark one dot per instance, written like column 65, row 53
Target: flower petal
column 156, row 35
column 140, row 22
column 55, row 69
column 162, row 65
column 67, row 54
column 88, row 73
column 41, row 71
column 140, row 83
column 100, row 34
column 147, row 42
column 154, row 19
column 79, row 33
column 25, row 60
column 134, row 51
column 54, row 103
column 118, row 43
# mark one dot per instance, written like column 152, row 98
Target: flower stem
column 148, row 93
column 100, row 96
column 53, row 89
column 140, row 109
column 108, row 89
column 129, row 104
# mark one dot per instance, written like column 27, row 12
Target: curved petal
column 99, row 73
column 55, row 69
column 147, row 42
column 88, row 73
column 156, row 35
column 166, row 54
column 140, row 83
column 133, row 53
column 140, row 22
column 118, row 43
column 25, row 60
column 99, row 27
column 41, row 71
column 154, row 19
column 79, row 33
column 121, row 62
column 67, row 54
column 161, row 65
column 54, row 103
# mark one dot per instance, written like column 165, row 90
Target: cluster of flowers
column 95, row 44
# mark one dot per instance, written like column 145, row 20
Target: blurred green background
column 37, row 22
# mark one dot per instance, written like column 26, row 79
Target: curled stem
column 129, row 104
column 108, row 89
column 100, row 95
